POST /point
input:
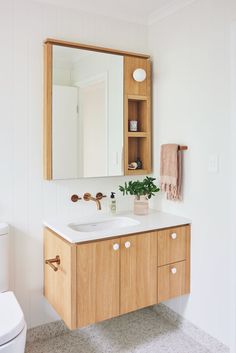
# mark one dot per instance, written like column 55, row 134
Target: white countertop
column 155, row 220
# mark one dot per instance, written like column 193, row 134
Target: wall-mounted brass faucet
column 88, row 197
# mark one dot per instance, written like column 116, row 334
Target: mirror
column 87, row 113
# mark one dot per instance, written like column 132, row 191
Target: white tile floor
column 140, row 332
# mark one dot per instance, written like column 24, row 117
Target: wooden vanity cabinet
column 102, row 279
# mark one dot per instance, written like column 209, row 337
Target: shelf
column 133, row 97
column 137, row 172
column 138, row 147
column 137, row 110
column 137, row 134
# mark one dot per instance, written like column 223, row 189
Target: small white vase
column 141, row 205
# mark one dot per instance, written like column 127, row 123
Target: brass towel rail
column 182, row 148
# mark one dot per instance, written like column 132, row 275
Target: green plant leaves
column 138, row 188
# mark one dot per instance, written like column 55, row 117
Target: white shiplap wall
column 25, row 199
column 190, row 51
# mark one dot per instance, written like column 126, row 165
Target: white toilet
column 12, row 323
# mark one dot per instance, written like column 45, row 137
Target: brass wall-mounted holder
column 50, row 262
column 182, row 148
column 75, row 198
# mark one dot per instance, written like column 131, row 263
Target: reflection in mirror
column 87, row 113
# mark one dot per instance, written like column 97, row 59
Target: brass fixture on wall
column 75, row 198
column 88, row 197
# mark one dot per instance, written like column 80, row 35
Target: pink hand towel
column 171, row 171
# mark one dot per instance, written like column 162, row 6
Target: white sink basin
column 105, row 224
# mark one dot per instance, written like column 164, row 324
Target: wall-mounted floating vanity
column 128, row 262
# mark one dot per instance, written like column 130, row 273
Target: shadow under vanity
column 93, row 96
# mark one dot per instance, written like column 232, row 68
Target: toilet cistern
column 12, row 323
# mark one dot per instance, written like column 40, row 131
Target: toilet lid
column 11, row 317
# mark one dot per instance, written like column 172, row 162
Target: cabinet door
column 172, row 281
column 97, row 281
column 138, row 274
column 59, row 286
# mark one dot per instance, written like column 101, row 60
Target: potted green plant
column 143, row 191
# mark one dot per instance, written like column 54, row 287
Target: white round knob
column 173, row 235
column 127, row 244
column 116, row 246
column 173, row 270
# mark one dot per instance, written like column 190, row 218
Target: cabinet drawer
column 172, row 281
column 172, row 245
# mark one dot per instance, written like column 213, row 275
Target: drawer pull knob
column 127, row 244
column 116, row 246
column 173, row 270
column 173, row 235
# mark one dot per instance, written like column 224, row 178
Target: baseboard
column 198, row 335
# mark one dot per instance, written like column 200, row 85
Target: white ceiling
column 139, row 11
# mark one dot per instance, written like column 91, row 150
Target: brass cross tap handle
column 75, row 198
column 100, row 195
column 50, row 262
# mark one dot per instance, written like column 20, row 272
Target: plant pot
column 141, row 205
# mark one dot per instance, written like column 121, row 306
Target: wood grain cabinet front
column 172, row 245
column 98, row 277
column 138, row 264
column 115, row 277
column 60, row 285
column 101, row 279
column 173, row 275
column 171, row 281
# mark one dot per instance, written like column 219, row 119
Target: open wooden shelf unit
column 137, row 107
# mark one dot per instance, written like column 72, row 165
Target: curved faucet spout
column 88, row 197
column 98, row 203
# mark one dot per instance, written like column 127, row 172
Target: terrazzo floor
column 142, row 331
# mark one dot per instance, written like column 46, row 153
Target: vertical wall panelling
column 6, row 116
column 233, row 187
column 191, row 106
column 20, row 223
column 26, row 200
